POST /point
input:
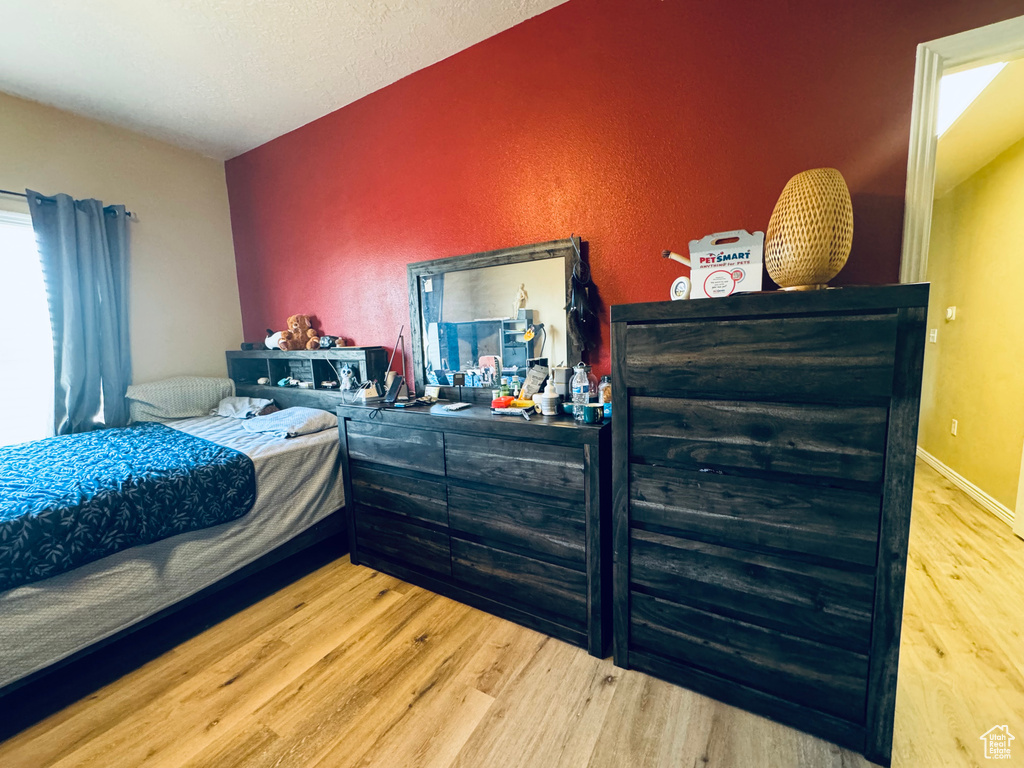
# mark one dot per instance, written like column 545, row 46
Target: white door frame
column 976, row 47
column 1018, row 512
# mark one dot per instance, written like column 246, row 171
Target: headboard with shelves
column 312, row 366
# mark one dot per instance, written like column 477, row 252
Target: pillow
column 241, row 407
column 292, row 422
column 178, row 398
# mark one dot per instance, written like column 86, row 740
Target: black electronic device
column 396, row 385
column 459, row 380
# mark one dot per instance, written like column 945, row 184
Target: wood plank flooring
column 962, row 648
column 350, row 667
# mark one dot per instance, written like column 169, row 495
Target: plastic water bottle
column 580, row 391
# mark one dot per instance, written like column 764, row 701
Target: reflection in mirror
column 476, row 321
column 490, row 314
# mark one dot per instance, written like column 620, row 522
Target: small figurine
column 521, row 298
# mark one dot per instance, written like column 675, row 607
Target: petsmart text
column 718, row 258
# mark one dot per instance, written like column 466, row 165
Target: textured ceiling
column 989, row 126
column 224, row 76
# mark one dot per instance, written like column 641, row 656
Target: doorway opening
column 965, row 192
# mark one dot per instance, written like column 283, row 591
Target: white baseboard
column 997, row 508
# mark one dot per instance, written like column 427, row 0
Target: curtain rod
column 127, row 213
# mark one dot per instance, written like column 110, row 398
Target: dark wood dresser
column 763, row 470
column 509, row 516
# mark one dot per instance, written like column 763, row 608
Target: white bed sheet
column 298, row 482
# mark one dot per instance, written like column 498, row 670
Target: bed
column 298, row 491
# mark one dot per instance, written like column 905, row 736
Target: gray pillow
column 240, row 407
column 181, row 397
column 292, row 422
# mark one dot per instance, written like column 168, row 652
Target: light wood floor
column 348, row 667
column 962, row 649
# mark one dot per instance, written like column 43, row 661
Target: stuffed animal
column 300, row 335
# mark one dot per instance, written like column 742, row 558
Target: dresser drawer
column 416, row 497
column 546, row 529
column 848, row 356
column 421, row 450
column 543, row 589
column 823, row 677
column 814, row 602
column 819, row 441
column 552, row 470
column 402, row 541
column 830, row 524
column 763, row 478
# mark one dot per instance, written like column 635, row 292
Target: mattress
column 72, row 499
column 298, row 483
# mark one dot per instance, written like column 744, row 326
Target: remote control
column 456, row 406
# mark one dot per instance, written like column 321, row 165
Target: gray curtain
column 84, row 252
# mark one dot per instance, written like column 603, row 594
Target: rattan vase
column 810, row 231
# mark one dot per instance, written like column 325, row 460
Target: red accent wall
column 637, row 124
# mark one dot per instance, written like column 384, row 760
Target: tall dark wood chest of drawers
column 509, row 516
column 763, row 470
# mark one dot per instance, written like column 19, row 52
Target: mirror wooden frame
column 555, row 249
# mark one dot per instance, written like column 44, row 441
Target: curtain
column 84, row 252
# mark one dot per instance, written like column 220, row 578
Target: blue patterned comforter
column 68, row 500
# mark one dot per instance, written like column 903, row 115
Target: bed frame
column 334, row 526
column 34, row 696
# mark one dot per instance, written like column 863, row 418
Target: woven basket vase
column 811, row 230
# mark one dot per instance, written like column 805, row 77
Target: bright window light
column 957, row 91
column 26, row 372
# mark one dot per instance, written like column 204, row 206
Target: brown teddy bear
column 300, row 334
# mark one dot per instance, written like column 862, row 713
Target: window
column 26, row 360
column 958, row 91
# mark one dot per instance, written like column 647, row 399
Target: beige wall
column 975, row 372
column 184, row 302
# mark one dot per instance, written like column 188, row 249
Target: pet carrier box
column 726, row 263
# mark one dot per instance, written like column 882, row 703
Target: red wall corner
column 638, row 125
